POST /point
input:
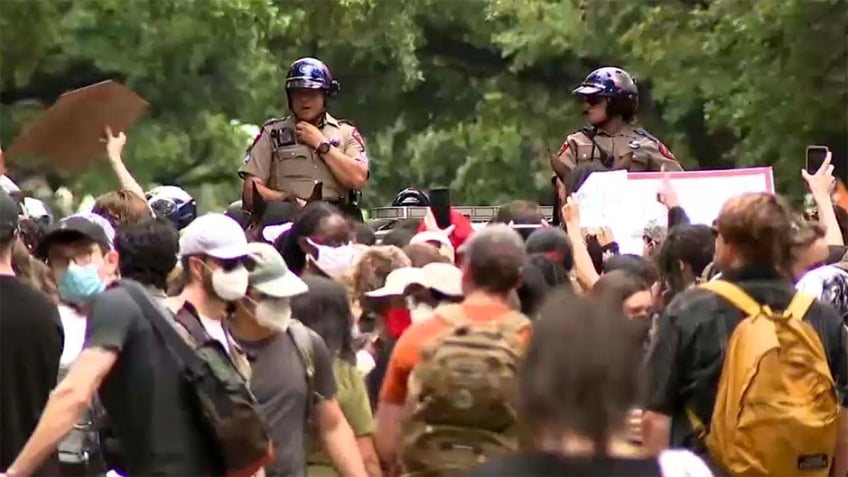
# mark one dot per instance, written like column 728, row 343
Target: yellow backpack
column 776, row 409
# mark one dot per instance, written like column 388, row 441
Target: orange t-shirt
column 407, row 351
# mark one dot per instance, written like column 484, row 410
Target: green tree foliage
column 473, row 94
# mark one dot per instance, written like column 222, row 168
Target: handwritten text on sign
column 627, row 202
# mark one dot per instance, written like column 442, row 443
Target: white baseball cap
column 443, row 277
column 215, row 235
column 397, row 281
column 271, row 276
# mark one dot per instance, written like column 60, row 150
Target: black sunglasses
column 231, row 264
column 594, row 99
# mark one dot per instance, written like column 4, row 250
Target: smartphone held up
column 816, row 155
column 440, row 206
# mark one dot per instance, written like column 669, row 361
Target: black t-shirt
column 151, row 407
column 30, row 347
column 545, row 464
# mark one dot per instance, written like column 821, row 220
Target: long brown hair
column 578, row 374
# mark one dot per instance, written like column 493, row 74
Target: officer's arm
column 266, row 192
column 256, row 170
column 564, row 160
column 349, row 161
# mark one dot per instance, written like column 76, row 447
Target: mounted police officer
column 308, row 155
column 610, row 99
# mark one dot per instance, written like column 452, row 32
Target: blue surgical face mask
column 80, row 284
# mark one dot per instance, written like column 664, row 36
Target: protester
column 631, row 354
column 324, row 308
column 492, row 268
column 291, row 370
column 318, row 242
column 422, row 254
column 683, row 256
column 30, row 348
column 753, row 246
column 122, row 207
column 148, row 252
column 137, row 377
column 574, row 400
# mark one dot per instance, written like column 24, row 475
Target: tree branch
column 446, row 42
column 47, row 86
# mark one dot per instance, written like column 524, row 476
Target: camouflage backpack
column 460, row 406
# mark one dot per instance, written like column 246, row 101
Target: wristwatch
column 323, row 148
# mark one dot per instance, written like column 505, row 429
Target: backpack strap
column 187, row 317
column 740, row 299
column 799, row 306
column 302, row 339
column 735, row 295
column 514, row 322
column 453, row 314
column 697, row 424
column 509, row 322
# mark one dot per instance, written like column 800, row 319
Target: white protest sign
column 628, row 206
column 600, row 206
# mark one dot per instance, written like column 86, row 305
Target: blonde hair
column 122, row 207
column 373, row 267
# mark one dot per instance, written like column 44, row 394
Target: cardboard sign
column 628, row 204
column 69, row 132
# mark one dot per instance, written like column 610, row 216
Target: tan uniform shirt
column 283, row 164
column 630, row 148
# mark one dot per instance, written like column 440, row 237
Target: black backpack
column 229, row 408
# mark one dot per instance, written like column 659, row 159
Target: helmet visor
column 304, row 83
column 587, row 89
column 164, row 207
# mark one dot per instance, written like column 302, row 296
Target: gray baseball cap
column 271, row 276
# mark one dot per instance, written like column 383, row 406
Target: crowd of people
column 521, row 348
column 282, row 337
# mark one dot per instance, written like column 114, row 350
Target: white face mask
column 274, row 314
column 230, row 286
column 334, row 261
column 418, row 311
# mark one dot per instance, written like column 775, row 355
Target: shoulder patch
column 665, row 152
column 563, row 149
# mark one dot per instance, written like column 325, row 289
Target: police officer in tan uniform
column 308, row 154
column 610, row 99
